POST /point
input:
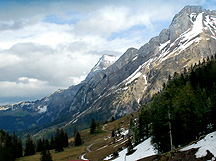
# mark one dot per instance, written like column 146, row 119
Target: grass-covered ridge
column 95, row 146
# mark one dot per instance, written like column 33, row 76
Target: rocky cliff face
column 118, row 88
column 138, row 74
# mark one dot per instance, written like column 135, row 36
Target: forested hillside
column 10, row 146
column 183, row 111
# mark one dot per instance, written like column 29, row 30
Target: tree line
column 11, row 146
column 183, row 111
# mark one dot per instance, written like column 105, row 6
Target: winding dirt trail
column 89, row 146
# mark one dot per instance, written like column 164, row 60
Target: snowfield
column 144, row 149
column 207, row 143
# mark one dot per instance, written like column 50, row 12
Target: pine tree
column 46, row 143
column 129, row 146
column 45, row 154
column 144, row 121
column 30, row 147
column 39, row 145
column 65, row 144
column 78, row 140
column 17, row 146
column 58, row 142
column 112, row 119
column 92, row 126
column 75, row 131
column 52, row 143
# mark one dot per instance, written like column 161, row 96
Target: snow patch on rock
column 207, row 143
column 42, row 109
column 143, row 150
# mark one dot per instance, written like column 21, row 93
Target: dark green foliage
column 143, row 127
column 39, row 145
column 115, row 154
column 30, row 147
column 113, row 133
column 78, row 140
column 10, row 146
column 65, row 141
column 93, row 126
column 183, row 111
column 58, row 142
column 61, row 140
column 45, row 154
column 17, row 146
column 129, row 145
column 75, row 131
column 45, row 142
column 52, row 143
column 112, row 119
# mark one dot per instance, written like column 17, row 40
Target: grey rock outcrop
column 118, row 89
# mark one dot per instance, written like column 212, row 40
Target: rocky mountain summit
column 118, row 87
column 104, row 62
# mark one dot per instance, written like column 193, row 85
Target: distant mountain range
column 115, row 88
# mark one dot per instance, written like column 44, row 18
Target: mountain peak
column 104, row 62
column 191, row 9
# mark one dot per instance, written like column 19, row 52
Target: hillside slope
column 139, row 74
column 132, row 80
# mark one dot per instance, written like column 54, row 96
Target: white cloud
column 54, row 44
column 24, row 87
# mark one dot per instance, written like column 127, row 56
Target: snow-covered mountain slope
column 143, row 150
column 208, row 143
column 104, row 62
column 118, row 90
column 202, row 148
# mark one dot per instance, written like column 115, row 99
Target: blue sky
column 52, row 44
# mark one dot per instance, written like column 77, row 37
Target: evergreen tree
column 129, row 146
column 46, row 143
column 112, row 119
column 93, row 126
column 10, row 146
column 75, row 131
column 58, row 142
column 45, row 154
column 30, row 147
column 17, row 146
column 39, row 145
column 78, row 140
column 52, row 143
column 113, row 133
column 65, row 144
column 144, row 122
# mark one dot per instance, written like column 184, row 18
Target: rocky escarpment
column 120, row 89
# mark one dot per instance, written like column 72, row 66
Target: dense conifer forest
column 183, row 111
column 11, row 147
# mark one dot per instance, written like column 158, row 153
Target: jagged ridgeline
column 120, row 86
column 184, row 110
